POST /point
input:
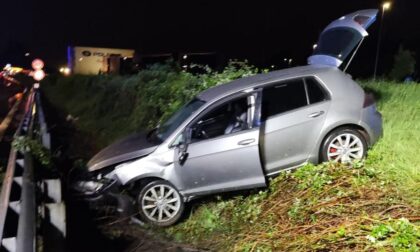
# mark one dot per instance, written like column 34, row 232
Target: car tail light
column 369, row 100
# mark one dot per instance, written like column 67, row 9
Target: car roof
column 260, row 79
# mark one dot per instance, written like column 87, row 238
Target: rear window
column 283, row 97
column 316, row 92
column 338, row 42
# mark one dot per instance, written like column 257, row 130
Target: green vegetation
column 404, row 64
column 42, row 154
column 371, row 205
column 108, row 107
column 396, row 154
column 326, row 207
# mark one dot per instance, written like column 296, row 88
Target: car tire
column 343, row 145
column 160, row 204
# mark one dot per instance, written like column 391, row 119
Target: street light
column 385, row 6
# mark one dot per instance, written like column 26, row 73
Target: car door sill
column 274, row 174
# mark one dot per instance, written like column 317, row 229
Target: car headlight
column 89, row 186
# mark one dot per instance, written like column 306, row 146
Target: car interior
column 228, row 118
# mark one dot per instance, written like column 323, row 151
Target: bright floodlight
column 66, row 71
column 386, row 6
column 38, row 75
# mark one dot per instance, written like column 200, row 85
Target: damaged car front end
column 100, row 183
column 95, row 187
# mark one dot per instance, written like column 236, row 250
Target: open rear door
column 341, row 37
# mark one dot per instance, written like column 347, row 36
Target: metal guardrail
column 19, row 213
column 13, row 176
column 45, row 135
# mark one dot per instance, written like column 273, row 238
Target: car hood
column 129, row 148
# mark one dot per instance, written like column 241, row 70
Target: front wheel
column 160, row 204
column 344, row 146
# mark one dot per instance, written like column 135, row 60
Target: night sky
column 263, row 32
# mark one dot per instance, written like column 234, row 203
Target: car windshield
column 168, row 127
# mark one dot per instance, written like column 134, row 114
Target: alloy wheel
column 345, row 148
column 161, row 203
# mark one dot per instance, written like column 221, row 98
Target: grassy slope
column 397, row 153
column 337, row 208
column 326, row 208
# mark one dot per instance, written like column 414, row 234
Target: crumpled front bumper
column 108, row 194
column 93, row 190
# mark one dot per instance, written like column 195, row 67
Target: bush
column 111, row 106
column 404, row 64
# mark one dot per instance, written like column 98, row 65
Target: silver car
column 234, row 136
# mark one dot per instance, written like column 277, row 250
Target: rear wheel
column 344, row 145
column 160, row 204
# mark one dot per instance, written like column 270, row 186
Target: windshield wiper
column 151, row 135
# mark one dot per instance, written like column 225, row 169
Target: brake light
column 369, row 100
column 361, row 20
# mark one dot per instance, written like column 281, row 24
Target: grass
column 328, row 207
column 397, row 153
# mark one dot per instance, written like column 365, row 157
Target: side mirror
column 183, row 146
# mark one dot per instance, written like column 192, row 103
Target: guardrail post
column 45, row 135
column 25, row 240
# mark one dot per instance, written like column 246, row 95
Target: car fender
column 154, row 165
column 314, row 157
column 370, row 134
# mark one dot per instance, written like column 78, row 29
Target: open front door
column 224, row 151
column 341, row 38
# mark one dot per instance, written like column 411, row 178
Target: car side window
column 315, row 92
column 225, row 119
column 283, row 97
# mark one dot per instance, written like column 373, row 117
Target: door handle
column 316, row 114
column 246, row 142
